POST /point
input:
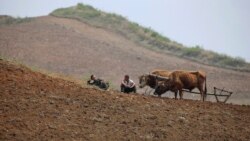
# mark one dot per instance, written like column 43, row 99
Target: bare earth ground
column 74, row 48
column 34, row 106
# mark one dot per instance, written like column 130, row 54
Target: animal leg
column 202, row 96
column 175, row 95
column 202, row 93
column 181, row 94
column 145, row 93
column 150, row 91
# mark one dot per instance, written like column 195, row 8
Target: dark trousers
column 128, row 89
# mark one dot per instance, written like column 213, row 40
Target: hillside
column 35, row 106
column 77, row 49
column 147, row 37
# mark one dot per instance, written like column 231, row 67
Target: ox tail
column 203, row 75
column 205, row 94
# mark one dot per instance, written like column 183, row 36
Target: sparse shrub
column 192, row 52
column 154, row 34
column 134, row 27
column 146, row 30
column 111, row 19
column 7, row 20
column 228, row 61
column 83, row 7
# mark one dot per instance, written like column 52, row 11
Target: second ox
column 178, row 80
column 150, row 79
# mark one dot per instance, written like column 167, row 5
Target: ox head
column 143, row 80
column 162, row 86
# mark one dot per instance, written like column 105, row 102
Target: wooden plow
column 217, row 93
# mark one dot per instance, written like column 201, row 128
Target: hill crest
column 149, row 38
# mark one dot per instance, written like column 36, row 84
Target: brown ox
column 150, row 79
column 179, row 80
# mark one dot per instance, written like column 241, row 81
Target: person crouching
column 128, row 85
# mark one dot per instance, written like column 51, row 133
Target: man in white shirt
column 128, row 85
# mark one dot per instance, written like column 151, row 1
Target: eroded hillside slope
column 75, row 48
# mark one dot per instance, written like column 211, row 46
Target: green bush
column 192, row 52
column 228, row 61
column 134, row 27
column 235, row 62
column 80, row 6
column 7, row 20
